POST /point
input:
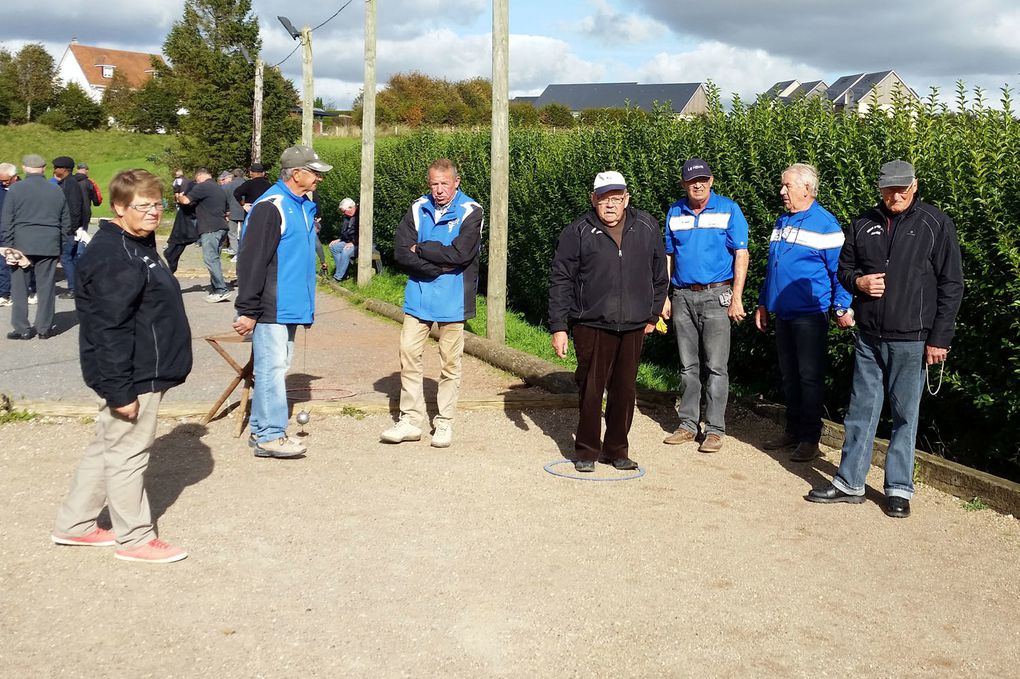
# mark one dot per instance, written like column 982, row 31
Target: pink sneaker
column 153, row 551
column 100, row 537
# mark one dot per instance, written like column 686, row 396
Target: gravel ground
column 367, row 560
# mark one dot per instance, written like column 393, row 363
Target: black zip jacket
column 923, row 273
column 594, row 282
column 134, row 336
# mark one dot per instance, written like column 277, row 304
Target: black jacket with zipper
column 134, row 336
column 923, row 273
column 595, row 283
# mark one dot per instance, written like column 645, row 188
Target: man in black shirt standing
column 251, row 190
column 211, row 219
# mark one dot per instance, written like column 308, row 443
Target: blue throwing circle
column 587, row 477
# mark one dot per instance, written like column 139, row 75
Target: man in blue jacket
column 276, row 291
column 800, row 287
column 437, row 243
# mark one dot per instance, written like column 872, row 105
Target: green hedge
column 967, row 163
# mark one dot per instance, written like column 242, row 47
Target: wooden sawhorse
column 244, row 374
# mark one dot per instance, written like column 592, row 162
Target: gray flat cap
column 896, row 173
column 33, row 160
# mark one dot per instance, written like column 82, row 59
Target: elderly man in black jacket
column 608, row 285
column 901, row 262
column 34, row 217
column 63, row 166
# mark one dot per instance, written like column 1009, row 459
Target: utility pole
column 500, row 179
column 256, row 131
column 308, row 90
column 365, row 208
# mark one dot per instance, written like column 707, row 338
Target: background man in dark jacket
column 34, row 216
column 210, row 205
column 62, row 168
column 237, row 213
column 901, row 261
column 91, row 196
column 250, row 191
column 609, row 285
column 345, row 247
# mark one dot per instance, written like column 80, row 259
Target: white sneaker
column 5, row 301
column 443, row 435
column 33, row 299
column 214, row 297
column 402, row 431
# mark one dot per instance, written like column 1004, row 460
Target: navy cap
column 694, row 168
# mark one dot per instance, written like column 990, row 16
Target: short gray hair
column 8, row 170
column 808, row 175
column 288, row 172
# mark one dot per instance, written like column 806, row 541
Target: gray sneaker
column 214, row 297
column 443, row 436
column 282, row 447
column 402, row 431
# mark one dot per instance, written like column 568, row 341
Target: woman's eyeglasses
column 148, row 207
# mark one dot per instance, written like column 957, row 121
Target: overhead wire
column 333, row 16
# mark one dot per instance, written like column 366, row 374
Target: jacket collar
column 111, row 227
column 431, row 206
column 287, row 192
column 712, row 204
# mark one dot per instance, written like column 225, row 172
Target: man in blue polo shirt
column 706, row 252
column 800, row 287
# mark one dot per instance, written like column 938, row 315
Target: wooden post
column 256, row 131
column 365, row 206
column 500, row 164
column 308, row 89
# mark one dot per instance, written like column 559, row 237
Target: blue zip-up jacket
column 276, row 262
column 443, row 268
column 800, row 278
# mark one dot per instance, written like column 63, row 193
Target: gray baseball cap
column 33, row 160
column 303, row 156
column 896, row 173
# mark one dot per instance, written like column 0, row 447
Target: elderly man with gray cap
column 607, row 287
column 276, row 291
column 34, row 217
column 901, row 261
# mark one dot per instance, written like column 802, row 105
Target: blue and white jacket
column 443, row 267
column 800, row 278
column 276, row 262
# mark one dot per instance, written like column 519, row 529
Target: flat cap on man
column 33, row 160
column 65, row 162
column 896, row 173
column 609, row 181
column 694, row 168
column 304, row 157
column 256, row 167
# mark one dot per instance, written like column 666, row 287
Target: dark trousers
column 68, row 250
column 173, row 253
column 606, row 360
column 802, row 344
column 45, row 269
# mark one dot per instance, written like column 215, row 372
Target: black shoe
column 52, row 332
column 66, row 295
column 621, row 463
column 805, row 452
column 831, row 493
column 15, row 335
column 784, row 440
column 897, row 507
column 584, row 466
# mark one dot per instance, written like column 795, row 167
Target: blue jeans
column 273, row 350
column 211, row 257
column 342, row 255
column 801, row 344
column 882, row 368
column 703, row 340
column 68, row 246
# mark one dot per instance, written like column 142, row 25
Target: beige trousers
column 413, row 336
column 112, row 473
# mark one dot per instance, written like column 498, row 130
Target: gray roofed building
column 858, row 92
column 683, row 98
column 788, row 90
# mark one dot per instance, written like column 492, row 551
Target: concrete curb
column 950, row 477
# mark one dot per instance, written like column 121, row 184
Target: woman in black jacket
column 135, row 343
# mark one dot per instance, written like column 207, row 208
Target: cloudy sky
column 742, row 45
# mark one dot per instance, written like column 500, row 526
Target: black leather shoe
column 831, row 493
column 621, row 463
column 805, row 452
column 15, row 335
column 49, row 333
column 897, row 507
column 584, row 466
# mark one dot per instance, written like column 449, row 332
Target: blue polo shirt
column 702, row 245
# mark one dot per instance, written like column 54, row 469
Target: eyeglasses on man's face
column 612, row 200
column 148, row 207
column 318, row 175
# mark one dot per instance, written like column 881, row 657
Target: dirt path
column 368, row 560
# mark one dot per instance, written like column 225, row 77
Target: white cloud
column 537, row 60
column 610, row 25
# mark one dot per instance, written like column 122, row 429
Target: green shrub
column 968, row 164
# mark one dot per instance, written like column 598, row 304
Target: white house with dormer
column 93, row 68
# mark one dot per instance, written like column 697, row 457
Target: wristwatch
column 840, row 313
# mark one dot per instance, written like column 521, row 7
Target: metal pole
column 308, row 100
column 365, row 207
column 500, row 164
column 256, row 132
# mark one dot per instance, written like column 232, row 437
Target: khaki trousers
column 112, row 473
column 413, row 336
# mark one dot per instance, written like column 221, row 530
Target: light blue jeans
column 703, row 339
column 882, row 368
column 211, row 256
column 342, row 255
column 273, row 350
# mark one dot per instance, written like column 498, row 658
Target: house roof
column 839, row 88
column 778, row 89
column 581, row 96
column 135, row 66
